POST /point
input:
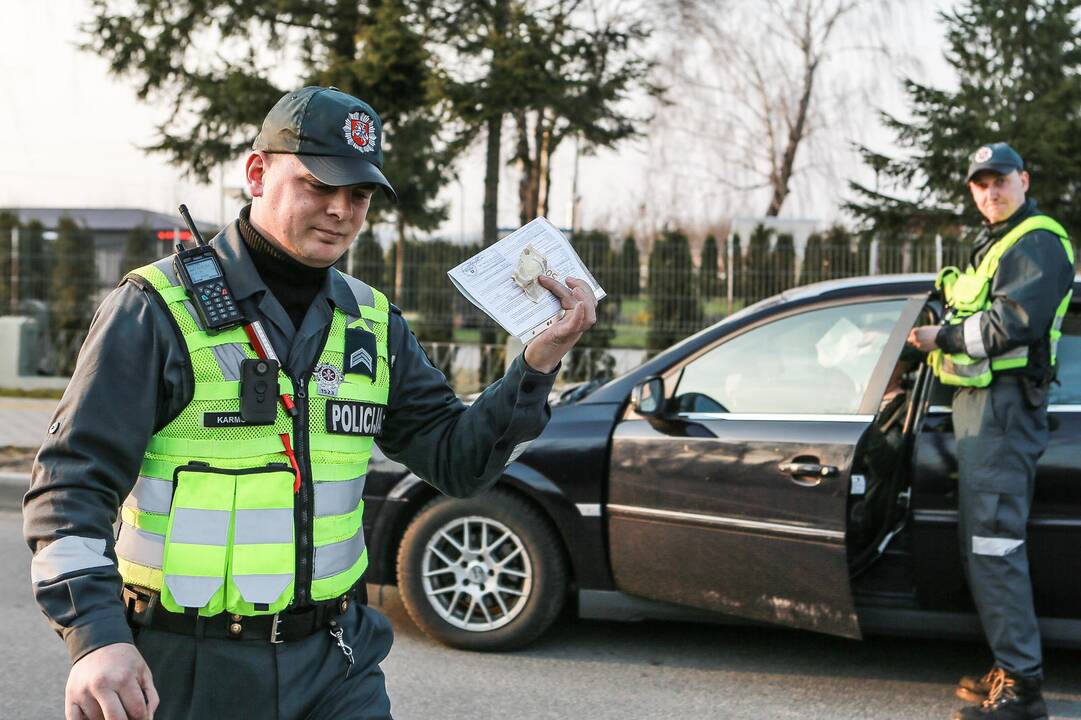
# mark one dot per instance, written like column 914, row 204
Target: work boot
column 1011, row 698
column 976, row 689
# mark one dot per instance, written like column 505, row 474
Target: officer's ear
column 1024, row 180
column 255, row 172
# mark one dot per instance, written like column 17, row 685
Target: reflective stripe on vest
column 171, row 536
column 968, row 295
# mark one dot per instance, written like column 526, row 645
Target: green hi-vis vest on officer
column 968, row 294
column 210, row 521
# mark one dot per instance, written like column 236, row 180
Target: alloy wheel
column 477, row 573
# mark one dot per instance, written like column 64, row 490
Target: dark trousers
column 1000, row 438
column 205, row 679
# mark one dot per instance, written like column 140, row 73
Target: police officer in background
column 997, row 345
column 233, row 587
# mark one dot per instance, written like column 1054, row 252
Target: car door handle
column 809, row 474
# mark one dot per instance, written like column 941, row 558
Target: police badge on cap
column 996, row 157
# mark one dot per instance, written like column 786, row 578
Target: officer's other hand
column 110, row 683
column 924, row 338
column 577, row 298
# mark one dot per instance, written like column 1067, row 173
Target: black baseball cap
column 338, row 137
column 997, row 157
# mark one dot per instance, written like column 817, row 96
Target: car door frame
column 629, row 526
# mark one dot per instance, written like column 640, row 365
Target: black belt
column 144, row 610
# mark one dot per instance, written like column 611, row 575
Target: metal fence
column 657, row 294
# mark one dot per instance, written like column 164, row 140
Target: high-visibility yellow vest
column 211, row 521
column 969, row 293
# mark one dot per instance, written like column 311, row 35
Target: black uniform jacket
column 1032, row 278
column 133, row 376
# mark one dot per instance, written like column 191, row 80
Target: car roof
column 879, row 283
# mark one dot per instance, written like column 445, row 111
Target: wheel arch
column 412, row 494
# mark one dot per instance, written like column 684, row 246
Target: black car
column 793, row 464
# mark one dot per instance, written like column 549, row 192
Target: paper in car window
column 838, row 343
column 488, row 279
column 852, row 350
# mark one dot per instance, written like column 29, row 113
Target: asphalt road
column 593, row 670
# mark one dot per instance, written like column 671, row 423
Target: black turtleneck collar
column 293, row 283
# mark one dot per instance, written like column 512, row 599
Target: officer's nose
column 341, row 205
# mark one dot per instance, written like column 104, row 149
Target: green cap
column 996, row 157
column 338, row 137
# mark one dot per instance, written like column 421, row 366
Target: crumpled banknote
column 532, row 263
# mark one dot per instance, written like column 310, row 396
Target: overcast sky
column 70, row 136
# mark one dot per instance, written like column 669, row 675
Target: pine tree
column 708, row 283
column 33, row 262
column 428, row 263
column 675, row 308
column 140, row 248
column 8, row 223
column 218, row 100
column 1019, row 68
column 368, row 263
column 72, row 292
column 758, row 276
column 589, row 360
column 815, row 265
column 630, row 268
column 782, row 264
column 738, row 270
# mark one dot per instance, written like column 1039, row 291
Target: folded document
column 502, row 278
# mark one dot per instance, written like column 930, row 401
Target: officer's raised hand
column 924, row 338
column 110, row 683
column 577, row 298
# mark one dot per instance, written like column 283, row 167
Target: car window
column 818, row 361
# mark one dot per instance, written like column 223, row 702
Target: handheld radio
column 201, row 275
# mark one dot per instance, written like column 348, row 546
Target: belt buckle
column 274, row 632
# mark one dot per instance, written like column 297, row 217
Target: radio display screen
column 201, row 270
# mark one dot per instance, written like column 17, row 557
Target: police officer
column 997, row 346
column 233, row 586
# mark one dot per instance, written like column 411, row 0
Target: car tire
column 469, row 597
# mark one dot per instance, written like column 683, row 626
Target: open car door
column 734, row 498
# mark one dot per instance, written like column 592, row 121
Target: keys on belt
column 144, row 611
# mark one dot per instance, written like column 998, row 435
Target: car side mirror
column 648, row 397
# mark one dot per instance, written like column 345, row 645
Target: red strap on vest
column 261, row 343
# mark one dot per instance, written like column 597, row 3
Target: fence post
column 938, row 251
column 873, row 258
column 729, row 272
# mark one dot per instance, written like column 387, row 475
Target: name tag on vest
column 225, row 419
column 346, row 417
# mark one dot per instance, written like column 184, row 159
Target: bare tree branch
column 755, row 78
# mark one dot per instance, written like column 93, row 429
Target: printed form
column 487, row 279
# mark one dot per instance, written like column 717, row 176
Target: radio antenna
column 191, row 226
